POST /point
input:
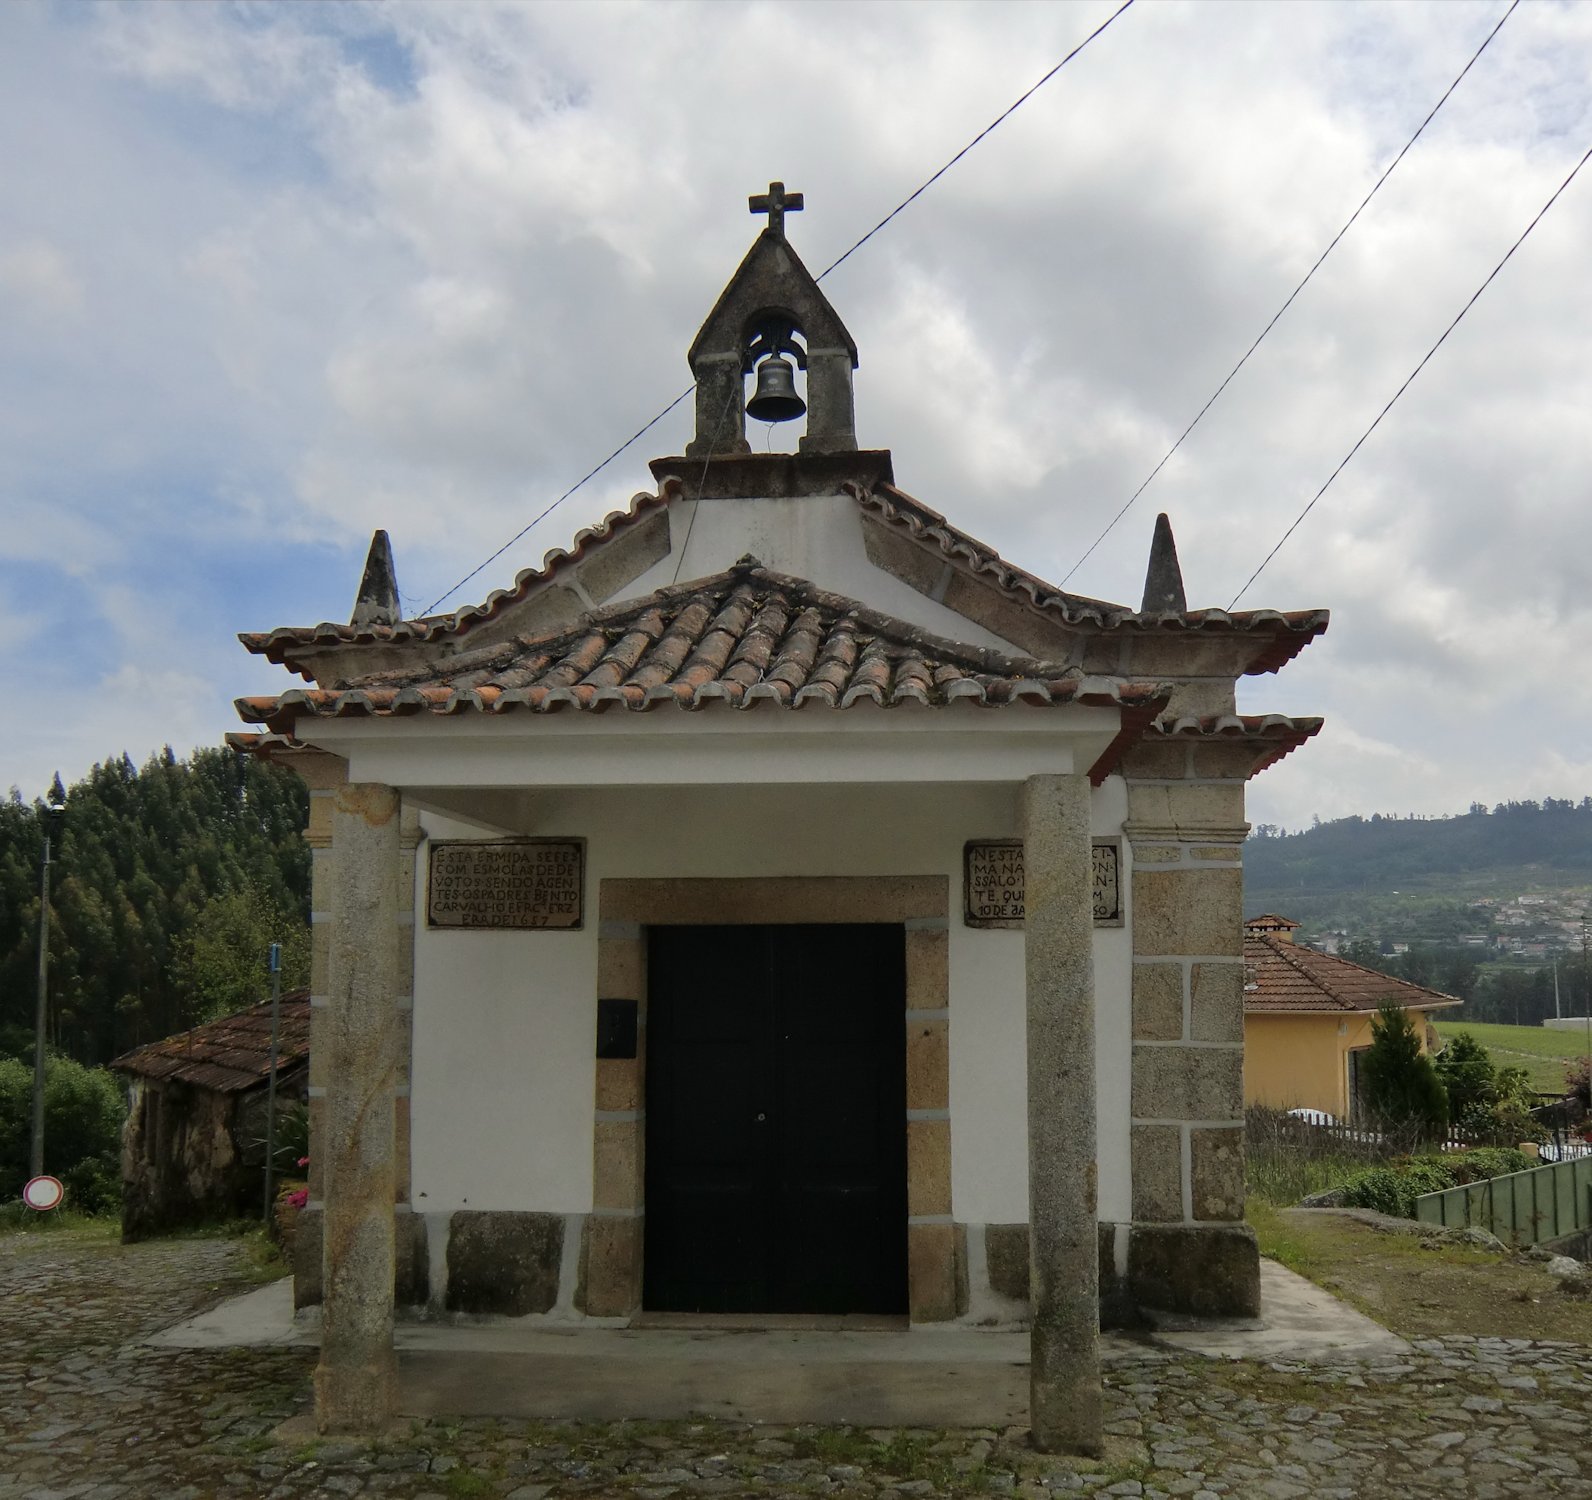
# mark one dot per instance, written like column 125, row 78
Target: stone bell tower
column 772, row 308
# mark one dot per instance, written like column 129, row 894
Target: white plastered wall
column 504, row 1022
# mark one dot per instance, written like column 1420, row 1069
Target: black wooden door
column 776, row 1109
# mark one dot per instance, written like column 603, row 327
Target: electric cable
column 905, row 202
column 1410, row 378
column 1277, row 316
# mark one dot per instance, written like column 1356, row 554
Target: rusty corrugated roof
column 1281, row 976
column 228, row 1055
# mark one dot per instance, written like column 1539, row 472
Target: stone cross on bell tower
column 772, row 289
column 776, row 203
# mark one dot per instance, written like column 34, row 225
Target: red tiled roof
column 1278, row 735
column 740, row 638
column 231, row 1054
column 278, row 645
column 1285, row 635
column 1282, row 977
column 1291, row 631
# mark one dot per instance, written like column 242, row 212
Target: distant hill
column 1417, row 874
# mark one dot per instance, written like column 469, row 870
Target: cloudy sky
column 273, row 275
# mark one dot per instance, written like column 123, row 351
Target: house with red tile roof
column 777, row 903
column 1307, row 1020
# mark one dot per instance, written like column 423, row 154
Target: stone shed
column 193, row 1146
column 778, row 903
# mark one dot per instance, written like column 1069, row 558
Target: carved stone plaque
column 994, row 890
column 507, row 883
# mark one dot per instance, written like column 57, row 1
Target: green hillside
column 1416, row 877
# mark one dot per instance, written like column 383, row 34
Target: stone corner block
column 611, row 1261
column 936, row 1272
column 1216, row 1002
column 1183, row 911
column 1188, row 1083
column 1210, row 1271
column 1158, row 1002
column 1217, row 1169
column 1158, row 1174
column 503, row 1263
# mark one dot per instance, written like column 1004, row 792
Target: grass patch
column 1418, row 1287
column 1542, row 1052
column 465, row 1483
column 18, row 1218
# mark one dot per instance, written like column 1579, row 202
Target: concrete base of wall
column 519, row 1264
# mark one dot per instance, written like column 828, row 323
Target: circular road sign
column 43, row 1193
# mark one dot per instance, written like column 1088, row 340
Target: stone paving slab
column 89, row 1410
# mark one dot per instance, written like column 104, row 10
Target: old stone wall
column 181, row 1162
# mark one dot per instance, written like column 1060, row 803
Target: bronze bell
column 775, row 399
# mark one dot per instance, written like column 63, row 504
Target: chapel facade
column 776, row 903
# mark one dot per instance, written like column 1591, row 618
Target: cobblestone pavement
column 87, row 1412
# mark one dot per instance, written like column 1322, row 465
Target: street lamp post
column 51, row 819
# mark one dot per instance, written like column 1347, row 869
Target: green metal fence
column 1523, row 1208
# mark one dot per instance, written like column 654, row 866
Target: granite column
column 355, row 1381
column 1065, row 1404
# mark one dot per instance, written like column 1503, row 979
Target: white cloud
column 290, row 273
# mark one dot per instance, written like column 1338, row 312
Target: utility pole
column 51, row 819
column 1586, row 996
column 274, row 961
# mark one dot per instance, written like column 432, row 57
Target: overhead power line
column 1410, row 378
column 911, row 197
column 1277, row 316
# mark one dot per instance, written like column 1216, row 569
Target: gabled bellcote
column 772, row 303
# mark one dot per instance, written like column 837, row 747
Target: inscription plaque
column 992, row 883
column 507, row 883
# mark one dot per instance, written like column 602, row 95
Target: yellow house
column 1307, row 1019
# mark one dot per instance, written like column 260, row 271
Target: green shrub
column 1393, row 1190
column 1400, row 1082
column 1466, row 1068
column 1487, row 1161
column 1379, row 1188
column 83, row 1111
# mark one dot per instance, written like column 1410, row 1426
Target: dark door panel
column 776, row 1138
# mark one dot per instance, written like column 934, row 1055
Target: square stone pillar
column 1065, row 1403
column 355, row 1380
column 1190, row 1250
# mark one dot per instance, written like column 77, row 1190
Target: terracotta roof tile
column 231, row 1054
column 1287, row 632
column 1280, row 976
column 279, row 645
column 1276, row 735
column 741, row 638
column 1282, row 635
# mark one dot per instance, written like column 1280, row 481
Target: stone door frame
column 612, row 1256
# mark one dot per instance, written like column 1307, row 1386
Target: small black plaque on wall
column 616, row 1028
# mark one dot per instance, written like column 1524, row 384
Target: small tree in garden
column 1400, row 1081
column 1466, row 1068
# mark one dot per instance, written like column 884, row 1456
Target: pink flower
column 304, row 1161
column 297, row 1199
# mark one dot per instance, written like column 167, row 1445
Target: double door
column 776, row 1110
